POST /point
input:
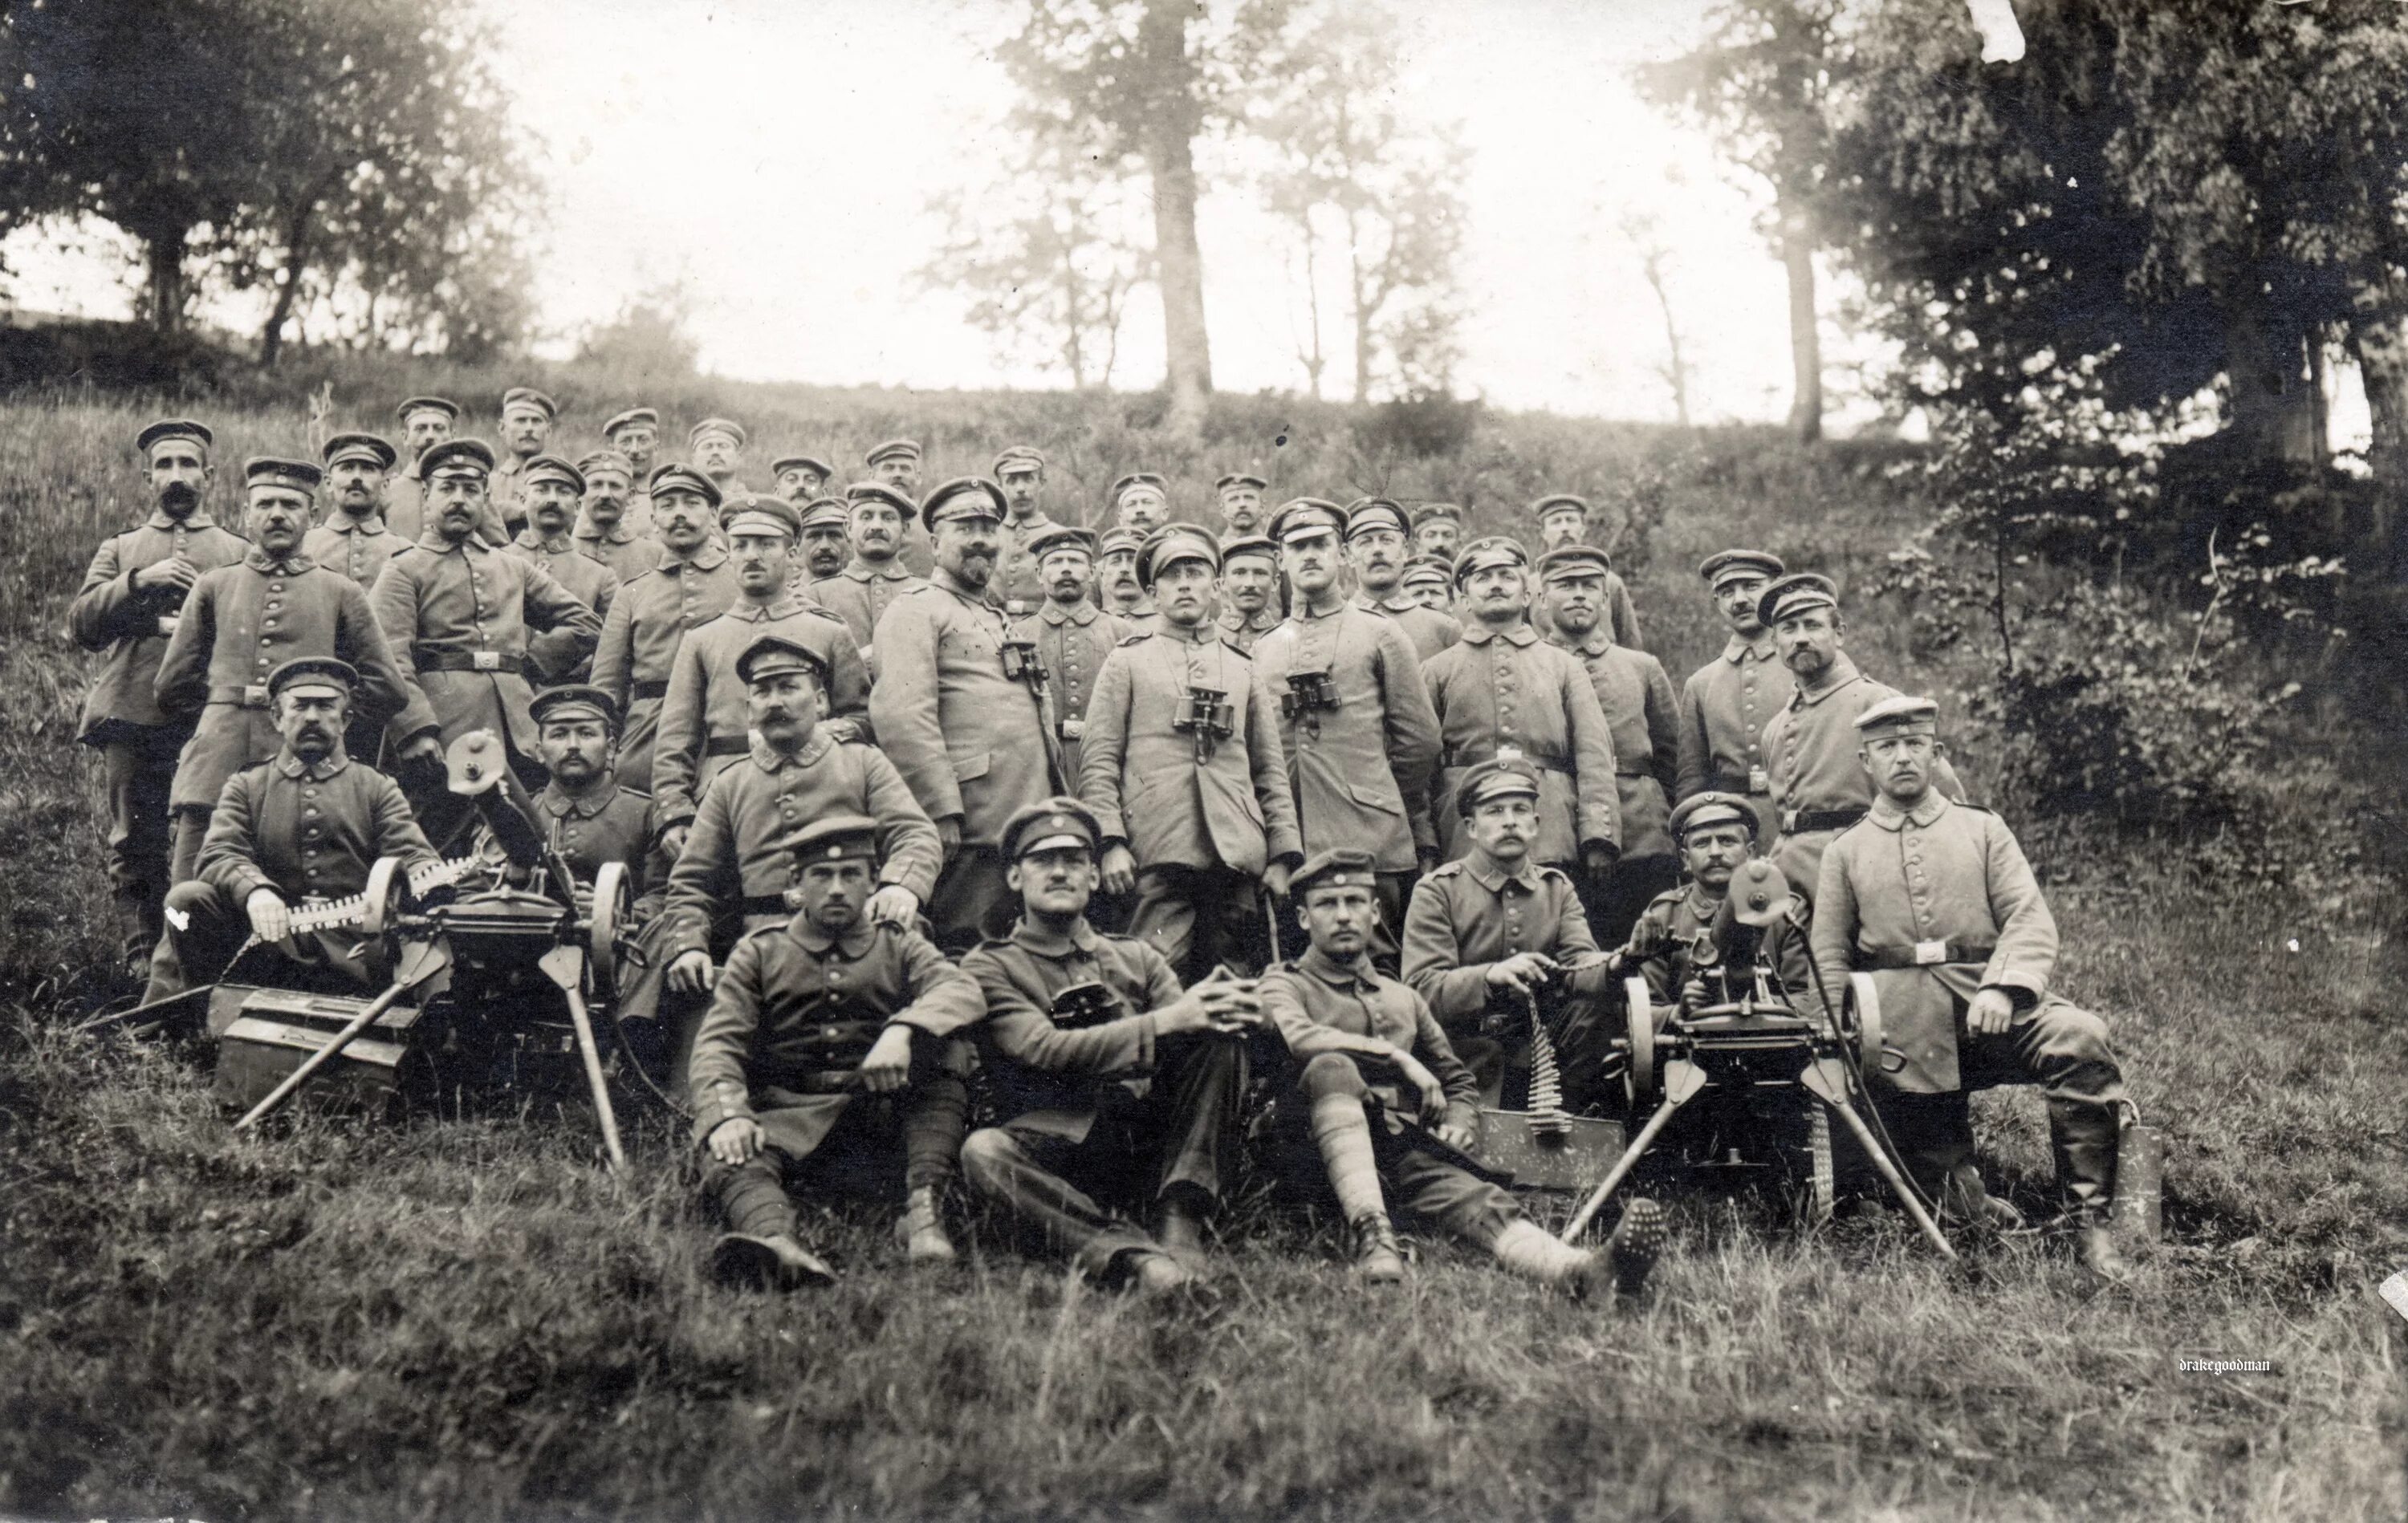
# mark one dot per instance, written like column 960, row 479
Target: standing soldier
column 606, row 530
column 1356, row 723
column 1641, row 713
column 550, row 490
column 1242, row 508
column 1564, row 520
column 1020, row 471
column 527, row 417
column 1727, row 702
column 243, row 621
column 861, row 593
column 799, row 479
column 1429, row 582
column 1935, row 901
column 425, row 422
column 1438, row 529
column 694, row 581
column 354, row 540
column 964, row 718
column 716, row 448
column 1182, row 768
column 823, row 1065
column 1120, row 594
column 1249, row 590
column 826, row 547
column 1071, row 635
column 635, row 434
column 1819, row 788
column 1110, row 1082
column 1375, row 548
column 132, row 594
column 896, row 464
column 1502, row 690
column 703, row 721
column 1141, row 503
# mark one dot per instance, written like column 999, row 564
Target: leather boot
column 922, row 1228
column 744, row 1262
column 1376, row 1259
column 1178, row 1225
column 1152, row 1274
column 1637, row 1244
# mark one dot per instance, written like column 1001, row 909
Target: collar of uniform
column 1353, row 974
column 852, row 946
column 292, row 565
column 529, row 540
column 1397, row 605
column 1597, row 643
column 787, row 605
column 1844, row 674
column 431, row 539
column 288, row 765
column 562, row 805
column 1142, row 608
column 1490, row 873
column 1476, row 633
column 1029, row 525
column 860, row 571
column 198, row 518
column 769, row 759
column 1738, row 649
column 1262, row 621
column 1203, row 632
column 618, row 534
column 1081, row 613
column 1701, row 905
column 1889, row 816
column 709, row 558
column 1029, row 936
column 343, row 523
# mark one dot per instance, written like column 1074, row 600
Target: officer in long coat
column 243, row 621
column 1727, row 703
column 355, row 540
column 1935, row 899
column 550, row 491
column 695, row 581
column 1070, row 635
column 861, row 593
column 132, row 594
column 425, row 422
column 1377, row 550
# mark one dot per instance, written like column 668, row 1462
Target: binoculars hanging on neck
column 1021, row 662
column 1308, row 693
column 1081, row 1005
column 1206, row 711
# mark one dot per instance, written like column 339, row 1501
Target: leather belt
column 1800, row 822
column 1923, row 954
column 1471, row 756
column 463, row 661
column 253, row 696
column 726, row 746
column 1737, row 782
column 1071, row 729
column 638, row 691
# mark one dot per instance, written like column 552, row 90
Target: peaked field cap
column 1566, row 560
column 1699, row 810
column 728, row 426
column 1436, row 512
column 552, row 468
column 1173, row 543
column 1365, row 514
column 1140, row 478
column 679, row 476
column 810, row 463
column 343, row 448
column 1241, row 478
column 319, row 671
column 1904, row 715
column 774, row 655
column 462, row 453
column 173, row 428
column 1340, row 867
column 606, row 459
column 1300, row 514
column 1554, row 500
column 1794, row 594
column 1262, row 544
column 527, row 396
column 1427, row 568
column 1721, row 566
column 1019, row 457
column 271, row 471
column 412, row 405
column 764, row 515
column 1115, row 541
column 632, row 416
column 1487, row 551
column 879, row 491
column 1050, row 825
column 893, row 450
column 828, row 513
column 1061, row 536
column 965, row 497
column 836, row 838
column 574, row 700
column 1496, row 778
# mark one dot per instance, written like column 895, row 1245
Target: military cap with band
column 1435, row 513
column 1497, row 779
column 1019, row 457
column 965, row 497
column 363, row 448
column 828, row 513
column 1061, row 536
column 1340, row 867
column 728, row 426
column 552, row 468
column 1795, row 594
column 629, row 419
column 607, row 460
column 1427, row 568
column 1365, row 514
column 774, row 655
column 1904, row 715
column 1554, row 500
column 172, row 428
column 574, row 700
column 838, row 839
column 1302, row 513
column 893, row 450
column 809, row 462
column 1140, row 478
column 416, row 405
column 1573, row 561
column 270, row 471
column 527, row 396
column 1114, row 541
column 1052, row 825
column 1241, row 478
column 1723, row 566
column 679, row 476
column 456, row 454
column 1262, row 544
column 1699, row 810
column 879, row 491
column 317, row 671
column 766, row 516
column 1173, row 543
column 1487, row 551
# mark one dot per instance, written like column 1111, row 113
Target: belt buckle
column 486, row 660
column 1073, row 728
column 1508, row 753
column 1928, row 952
column 255, row 695
column 1758, row 780
column 1788, row 821
column 166, row 624
column 1016, row 607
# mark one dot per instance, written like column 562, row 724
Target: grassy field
column 469, row 1319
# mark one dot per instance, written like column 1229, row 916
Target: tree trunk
column 1805, row 337
column 1676, row 370
column 166, row 290
column 1170, row 159
column 2273, row 400
column 2378, row 336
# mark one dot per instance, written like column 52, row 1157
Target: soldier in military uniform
column 895, row 465
column 1020, row 471
column 1141, row 503
column 243, row 621
column 425, row 422
column 694, row 581
column 861, row 593
column 635, row 434
column 1115, row 1089
column 966, row 721
column 823, row 1066
column 301, row 829
column 1375, row 549
column 1493, row 935
column 1356, row 723
column 606, row 528
column 1504, row 688
column 1438, row 531
column 1564, row 520
column 1641, row 713
column 1716, row 833
column 1935, row 899
column 1250, row 576
column 1382, row 1106
column 703, row 720
column 1182, row 767
column 128, row 605
column 716, row 448
column 1727, row 703
column 826, row 545
column 589, row 817
column 799, row 479
column 550, row 490
column 527, row 417
column 1819, row 788
column 1118, row 592
column 1429, row 581
column 1241, row 496
column 354, row 540
column 1071, row 635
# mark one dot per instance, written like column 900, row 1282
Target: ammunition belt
column 1471, row 756
column 1921, row 955
column 1800, row 822
column 638, row 692
column 429, row 659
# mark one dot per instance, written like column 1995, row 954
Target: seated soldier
column 587, row 817
column 1389, row 1108
column 301, row 830
column 1109, row 1081
column 1670, row 946
column 1493, row 935
column 824, row 1063
column 1935, row 899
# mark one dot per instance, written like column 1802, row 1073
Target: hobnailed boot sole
column 1635, row 1246
column 745, row 1263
